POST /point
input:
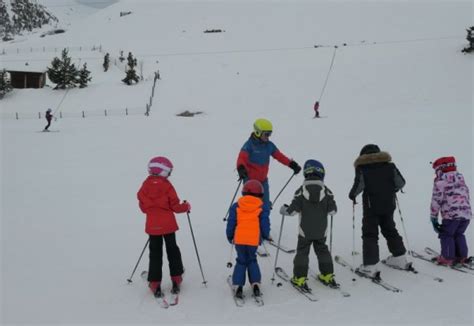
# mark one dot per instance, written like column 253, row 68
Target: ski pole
column 229, row 264
column 286, row 184
column 330, row 234
column 353, row 234
column 278, row 248
column 130, row 278
column 195, row 247
column 232, row 201
column 403, row 225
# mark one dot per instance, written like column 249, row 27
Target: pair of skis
column 280, row 272
column 338, row 288
column 162, row 300
column 240, row 301
column 411, row 269
column 431, row 254
column 308, row 293
column 376, row 279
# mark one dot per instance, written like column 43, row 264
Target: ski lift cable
column 328, row 74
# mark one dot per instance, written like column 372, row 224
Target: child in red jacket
column 159, row 201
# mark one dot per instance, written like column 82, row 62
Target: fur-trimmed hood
column 380, row 157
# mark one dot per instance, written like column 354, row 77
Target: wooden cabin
column 27, row 79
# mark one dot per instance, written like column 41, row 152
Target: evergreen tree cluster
column 5, row 85
column 65, row 74
column 25, row 16
column 131, row 74
column 106, row 63
column 470, row 39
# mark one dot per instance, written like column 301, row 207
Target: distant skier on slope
column 450, row 198
column 49, row 117
column 316, row 109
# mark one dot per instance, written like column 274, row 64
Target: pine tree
column 6, row 29
column 131, row 74
column 54, row 71
column 26, row 15
column 84, row 77
column 106, row 62
column 470, row 39
column 5, row 85
column 62, row 72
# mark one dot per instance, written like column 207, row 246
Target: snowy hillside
column 71, row 229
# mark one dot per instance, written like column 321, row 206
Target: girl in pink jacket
column 450, row 198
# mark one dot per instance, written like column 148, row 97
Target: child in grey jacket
column 314, row 202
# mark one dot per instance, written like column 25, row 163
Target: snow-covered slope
column 71, row 227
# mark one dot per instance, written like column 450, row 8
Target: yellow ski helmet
column 262, row 125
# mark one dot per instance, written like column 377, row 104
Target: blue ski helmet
column 313, row 167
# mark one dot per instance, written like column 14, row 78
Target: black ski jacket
column 379, row 180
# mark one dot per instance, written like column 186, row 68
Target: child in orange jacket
column 247, row 225
column 159, row 201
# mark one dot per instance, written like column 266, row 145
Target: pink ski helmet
column 161, row 166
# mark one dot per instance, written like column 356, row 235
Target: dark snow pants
column 370, row 237
column 49, row 124
column 301, row 260
column 453, row 241
column 156, row 256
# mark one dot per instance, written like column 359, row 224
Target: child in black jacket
column 379, row 180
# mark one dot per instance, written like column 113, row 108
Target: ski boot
column 176, row 280
column 300, row 282
column 469, row 261
column 155, row 288
column 256, row 290
column 440, row 260
column 328, row 280
column 399, row 262
column 370, row 271
column 239, row 292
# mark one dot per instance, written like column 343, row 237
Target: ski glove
column 351, row 197
column 269, row 238
column 242, row 172
column 295, row 167
column 231, row 240
column 189, row 206
column 284, row 209
column 436, row 226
